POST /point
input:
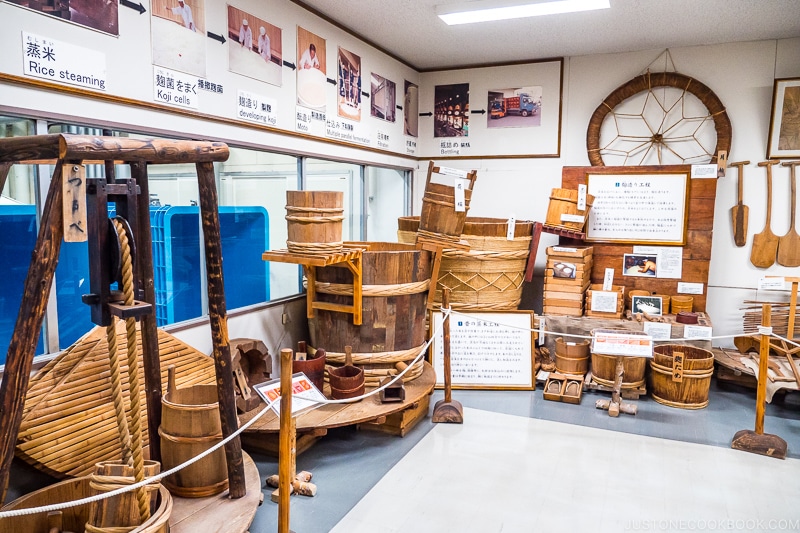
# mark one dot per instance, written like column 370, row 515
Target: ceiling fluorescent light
column 490, row 10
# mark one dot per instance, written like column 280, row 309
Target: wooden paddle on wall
column 740, row 212
column 765, row 244
column 789, row 244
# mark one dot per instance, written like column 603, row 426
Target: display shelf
column 347, row 257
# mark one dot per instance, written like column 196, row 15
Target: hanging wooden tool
column 757, row 441
column 765, row 244
column 789, row 244
column 447, row 410
column 740, row 212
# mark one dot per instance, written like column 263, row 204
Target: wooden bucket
column 490, row 274
column 313, row 367
column 75, row 518
column 438, row 216
column 563, row 207
column 395, row 279
column 604, row 366
column 190, row 424
column 692, row 391
column 122, row 510
column 314, row 221
column 572, row 357
column 346, row 381
column 681, row 303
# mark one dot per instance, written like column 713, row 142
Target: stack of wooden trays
column 566, row 278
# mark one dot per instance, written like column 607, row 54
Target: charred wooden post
column 22, row 347
column 217, row 315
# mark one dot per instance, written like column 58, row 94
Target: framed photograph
column 178, row 33
column 638, row 206
column 646, row 304
column 784, row 122
column 488, row 350
column 383, row 98
column 644, row 266
column 349, row 97
column 311, row 70
column 515, row 107
column 255, row 47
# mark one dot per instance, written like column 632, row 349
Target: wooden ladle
column 789, row 244
column 765, row 244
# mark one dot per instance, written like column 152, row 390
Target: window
column 389, row 198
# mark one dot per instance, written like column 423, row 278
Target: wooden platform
column 337, row 415
column 219, row 514
column 732, row 367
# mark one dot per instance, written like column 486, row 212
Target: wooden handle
column 793, row 164
column 740, row 167
column 348, row 356
column 431, row 170
column 763, row 363
column 769, row 165
column 171, row 387
column 301, row 347
column 448, row 394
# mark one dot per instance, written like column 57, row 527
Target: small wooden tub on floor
column 691, row 391
column 395, row 279
column 75, row 518
column 604, row 365
column 572, row 357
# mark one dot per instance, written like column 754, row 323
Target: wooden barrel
column 490, row 274
column 395, row 289
column 572, row 357
column 314, row 221
column 604, row 365
column 190, row 424
column 122, row 510
column 681, row 303
column 313, row 367
column 438, row 216
column 75, row 518
column 691, row 392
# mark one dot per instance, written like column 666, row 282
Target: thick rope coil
column 373, row 358
column 398, row 289
column 430, row 235
column 314, row 247
column 133, row 372
column 314, row 220
column 116, row 391
column 299, row 209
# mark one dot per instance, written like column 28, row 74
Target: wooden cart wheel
column 662, row 135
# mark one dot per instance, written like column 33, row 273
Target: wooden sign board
column 488, row 350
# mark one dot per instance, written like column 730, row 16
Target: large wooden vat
column 190, row 424
column 490, row 274
column 691, row 391
column 396, row 278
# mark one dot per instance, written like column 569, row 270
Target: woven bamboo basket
column 490, row 274
column 572, row 357
column 692, row 391
column 314, row 221
column 564, row 204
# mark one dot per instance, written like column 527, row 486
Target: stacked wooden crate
column 564, row 295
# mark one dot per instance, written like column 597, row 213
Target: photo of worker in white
column 255, row 49
column 185, row 12
column 311, row 71
column 179, row 35
column 309, row 59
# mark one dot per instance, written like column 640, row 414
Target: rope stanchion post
column 286, row 454
column 447, row 410
column 757, row 441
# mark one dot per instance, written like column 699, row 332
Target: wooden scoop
column 789, row 244
column 740, row 212
column 765, row 244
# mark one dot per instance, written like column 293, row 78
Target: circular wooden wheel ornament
column 662, row 135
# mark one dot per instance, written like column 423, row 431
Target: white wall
column 741, row 74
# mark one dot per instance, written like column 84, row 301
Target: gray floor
column 347, row 463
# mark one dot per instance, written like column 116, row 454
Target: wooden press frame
column 69, row 152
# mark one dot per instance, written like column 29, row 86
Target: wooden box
column 598, row 287
column 563, row 388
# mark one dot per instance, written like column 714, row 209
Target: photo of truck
column 521, row 104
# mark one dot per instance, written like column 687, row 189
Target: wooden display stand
column 348, row 257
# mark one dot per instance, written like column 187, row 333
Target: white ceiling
column 411, row 31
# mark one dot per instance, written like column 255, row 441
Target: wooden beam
column 22, row 347
column 217, row 316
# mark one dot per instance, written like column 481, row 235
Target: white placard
column 658, row 330
column 690, row 288
column 638, row 208
column 460, row 185
column 541, row 331
column 704, row 171
column 668, row 258
column 448, row 171
column 622, row 344
column 310, row 121
column 384, row 141
column 175, row 88
column 608, row 280
column 347, row 130
column 512, row 225
column 582, row 197
column 772, row 284
column 487, row 350
column 43, row 57
column 604, row 302
column 256, row 108
column 696, row 332
column 565, row 217
column 564, row 249
column 305, row 396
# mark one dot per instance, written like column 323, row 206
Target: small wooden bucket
column 346, row 381
column 314, row 221
column 120, row 511
column 438, row 217
column 563, row 208
column 75, row 518
column 572, row 357
column 681, row 303
column 691, row 392
column 313, row 367
column 190, row 424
